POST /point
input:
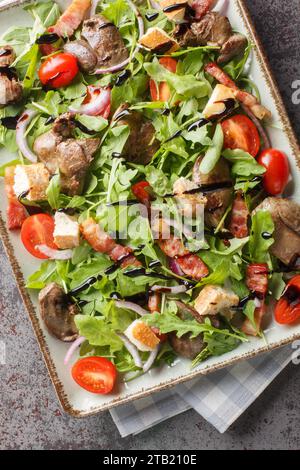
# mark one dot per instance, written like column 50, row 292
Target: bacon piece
column 202, row 7
column 71, row 18
column 257, row 279
column 243, row 96
column 154, row 302
column 248, row 328
column 16, row 212
column 238, row 225
column 193, row 266
column 103, row 243
column 173, row 247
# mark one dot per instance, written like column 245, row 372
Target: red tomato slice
column 95, row 374
column 161, row 91
column 141, row 192
column 287, row 309
column 241, row 133
column 278, row 171
column 58, row 70
column 38, row 230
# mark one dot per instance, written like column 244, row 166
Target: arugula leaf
column 45, row 274
column 258, row 246
column 53, row 192
column 98, row 332
column 184, row 85
column 243, row 164
column 31, row 70
column 93, row 123
column 213, row 154
column 277, row 285
column 96, row 267
column 216, row 345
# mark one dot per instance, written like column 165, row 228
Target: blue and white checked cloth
column 220, row 397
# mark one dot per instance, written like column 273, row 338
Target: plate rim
column 58, row 386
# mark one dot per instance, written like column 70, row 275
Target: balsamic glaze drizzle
column 151, row 16
column 10, row 122
column 175, row 7
column 48, row 38
column 4, row 52
column 122, row 77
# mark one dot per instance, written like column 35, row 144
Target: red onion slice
column 54, row 254
column 263, row 133
column 123, row 64
column 152, row 356
column 132, row 349
column 21, row 139
column 175, row 268
column 131, row 306
column 73, row 348
column 99, row 102
column 169, row 290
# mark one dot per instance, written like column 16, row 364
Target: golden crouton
column 158, row 41
column 31, row 181
column 215, row 299
column 176, row 14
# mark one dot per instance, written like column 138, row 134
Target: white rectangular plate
column 75, row 400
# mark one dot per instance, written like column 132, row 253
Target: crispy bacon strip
column 71, row 18
column 103, row 243
column 257, row 279
column 238, row 225
column 173, row 247
column 16, row 212
column 248, row 328
column 244, row 97
column 193, row 266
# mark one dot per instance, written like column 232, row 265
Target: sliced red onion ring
column 125, row 62
column 175, row 268
column 169, row 290
column 132, row 349
column 155, row 5
column 131, row 306
column 54, row 254
column 257, row 303
column 21, row 139
column 263, row 133
column 93, row 7
column 73, row 348
column 221, row 7
column 152, row 356
column 99, row 102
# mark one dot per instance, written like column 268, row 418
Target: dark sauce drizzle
column 105, row 25
column 48, row 38
column 116, row 155
column 151, row 16
column 266, row 235
column 10, row 122
column 122, row 77
column 292, row 295
column 175, row 7
column 4, row 52
column 83, row 128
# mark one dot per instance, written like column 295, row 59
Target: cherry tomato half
column 95, row 374
column 287, row 310
column 58, row 70
column 241, row 133
column 278, row 171
column 161, row 91
column 38, row 230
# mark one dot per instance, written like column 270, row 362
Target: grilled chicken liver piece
column 57, row 149
column 286, row 217
column 57, row 312
column 11, row 90
column 141, row 144
column 7, row 56
column 212, row 29
column 218, row 200
column 105, row 39
column 86, row 57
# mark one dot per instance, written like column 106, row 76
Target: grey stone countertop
column 30, row 415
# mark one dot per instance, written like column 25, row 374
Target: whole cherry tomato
column 58, row 70
column 277, row 175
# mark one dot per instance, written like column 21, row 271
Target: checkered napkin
column 220, row 397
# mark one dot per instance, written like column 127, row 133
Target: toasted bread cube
column 66, row 231
column 215, row 104
column 214, row 299
column 141, row 336
column 32, row 181
column 176, row 15
column 157, row 40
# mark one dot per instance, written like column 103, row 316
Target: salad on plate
column 146, row 183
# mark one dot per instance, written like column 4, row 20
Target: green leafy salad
column 141, row 182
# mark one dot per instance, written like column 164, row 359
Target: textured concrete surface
column 30, row 416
